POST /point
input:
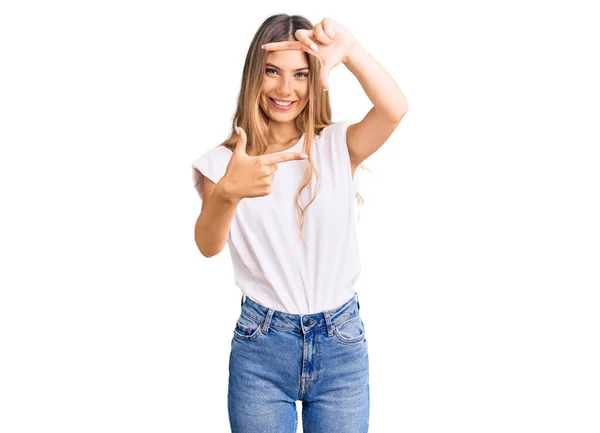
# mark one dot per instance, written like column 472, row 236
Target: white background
column 479, row 235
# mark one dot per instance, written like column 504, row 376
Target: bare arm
column 213, row 223
column 389, row 106
column 245, row 177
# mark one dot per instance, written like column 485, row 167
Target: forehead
column 288, row 60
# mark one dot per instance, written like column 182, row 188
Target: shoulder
column 213, row 155
column 335, row 129
column 335, row 134
column 211, row 164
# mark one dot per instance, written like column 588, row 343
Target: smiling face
column 285, row 79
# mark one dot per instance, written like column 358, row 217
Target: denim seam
column 299, row 331
column 252, row 336
column 351, row 341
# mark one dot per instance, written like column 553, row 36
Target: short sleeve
column 341, row 154
column 211, row 164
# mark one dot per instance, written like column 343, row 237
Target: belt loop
column 328, row 323
column 267, row 322
column 243, row 298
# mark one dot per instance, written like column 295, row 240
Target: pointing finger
column 282, row 157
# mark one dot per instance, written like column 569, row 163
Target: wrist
column 225, row 192
column 352, row 51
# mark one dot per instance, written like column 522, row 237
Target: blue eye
column 303, row 74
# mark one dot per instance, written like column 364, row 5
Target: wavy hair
column 315, row 116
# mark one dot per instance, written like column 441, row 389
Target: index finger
column 284, row 45
column 281, row 157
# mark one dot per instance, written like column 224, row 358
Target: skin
column 287, row 84
column 333, row 44
column 283, row 84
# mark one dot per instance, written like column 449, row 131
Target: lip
column 281, row 108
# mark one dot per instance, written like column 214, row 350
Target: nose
column 285, row 86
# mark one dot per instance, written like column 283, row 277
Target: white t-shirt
column 271, row 265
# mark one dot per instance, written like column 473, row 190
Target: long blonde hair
column 250, row 116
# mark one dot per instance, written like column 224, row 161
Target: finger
column 307, row 37
column 324, row 77
column 304, row 43
column 284, row 45
column 287, row 45
column 267, row 170
column 240, row 146
column 282, row 157
column 320, row 35
column 328, row 28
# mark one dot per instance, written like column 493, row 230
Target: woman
column 299, row 335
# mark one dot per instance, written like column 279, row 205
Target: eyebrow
column 278, row 68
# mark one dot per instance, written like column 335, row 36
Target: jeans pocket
column 351, row 331
column 247, row 328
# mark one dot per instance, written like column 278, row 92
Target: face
column 285, row 78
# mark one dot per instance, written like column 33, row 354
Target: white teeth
column 283, row 104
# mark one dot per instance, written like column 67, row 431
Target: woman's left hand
column 328, row 41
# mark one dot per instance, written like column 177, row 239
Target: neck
column 283, row 135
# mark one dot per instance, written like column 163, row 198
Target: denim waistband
column 302, row 323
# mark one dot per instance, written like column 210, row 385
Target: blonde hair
column 249, row 115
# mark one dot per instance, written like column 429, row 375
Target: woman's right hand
column 251, row 176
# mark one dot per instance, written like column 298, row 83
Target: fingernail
column 314, row 47
column 304, row 156
column 262, row 46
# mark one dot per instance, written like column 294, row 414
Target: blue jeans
column 277, row 358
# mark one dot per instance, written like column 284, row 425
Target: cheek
column 263, row 94
column 302, row 92
column 265, row 87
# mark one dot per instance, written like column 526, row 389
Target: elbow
column 206, row 241
column 207, row 252
column 400, row 109
column 396, row 115
column 204, row 251
column 400, row 114
column 207, row 255
column 202, row 248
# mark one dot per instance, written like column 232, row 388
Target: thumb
column 240, row 146
column 324, row 78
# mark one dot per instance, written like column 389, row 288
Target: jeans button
column 306, row 321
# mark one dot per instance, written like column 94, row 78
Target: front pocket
column 246, row 328
column 350, row 331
